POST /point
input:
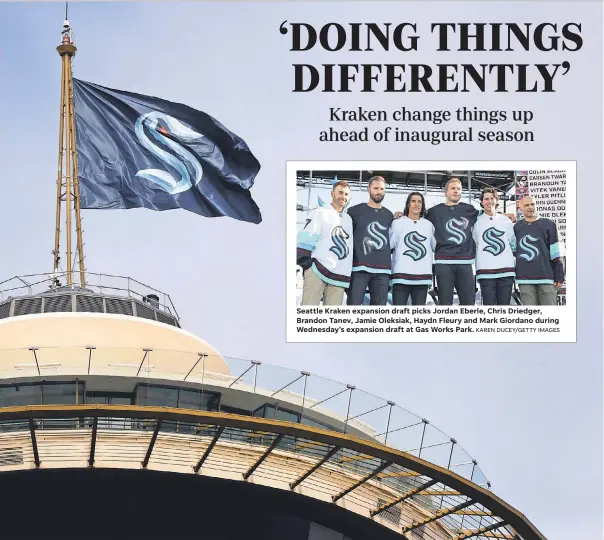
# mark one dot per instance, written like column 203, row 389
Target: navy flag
column 140, row 151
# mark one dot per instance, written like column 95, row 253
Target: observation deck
column 108, row 389
column 104, row 293
column 254, row 423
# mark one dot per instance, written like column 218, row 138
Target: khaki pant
column 543, row 294
column 315, row 290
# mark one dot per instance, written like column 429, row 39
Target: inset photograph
column 423, row 251
column 430, row 237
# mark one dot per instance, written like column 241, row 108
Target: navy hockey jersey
column 325, row 245
column 413, row 243
column 495, row 246
column 538, row 252
column 371, row 239
column 453, row 230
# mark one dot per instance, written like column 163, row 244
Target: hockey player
column 371, row 258
column 455, row 250
column 324, row 250
column 539, row 270
column 413, row 242
column 495, row 247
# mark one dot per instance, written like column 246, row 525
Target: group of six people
column 366, row 247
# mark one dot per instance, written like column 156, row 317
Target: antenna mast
column 68, row 190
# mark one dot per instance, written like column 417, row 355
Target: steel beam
column 377, row 471
column 437, row 516
column 481, row 532
column 201, row 355
column 147, row 351
column 93, row 442
column 251, row 470
column 473, row 513
column 400, row 474
column 34, row 443
column 151, row 444
column 325, row 458
column 209, row 449
column 404, row 497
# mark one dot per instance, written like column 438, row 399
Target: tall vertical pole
column 76, row 183
column 68, row 173
column 57, row 254
column 67, row 181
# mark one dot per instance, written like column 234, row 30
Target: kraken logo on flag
column 530, row 251
column 495, row 244
column 457, row 229
column 178, row 131
column 339, row 237
column 416, row 250
column 376, row 239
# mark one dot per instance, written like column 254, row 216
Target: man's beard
column 377, row 198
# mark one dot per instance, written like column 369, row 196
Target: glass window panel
column 108, row 398
column 234, row 410
column 156, row 396
column 24, row 394
column 189, row 399
column 314, row 423
column 265, row 411
column 289, row 416
column 210, row 401
column 120, row 400
column 97, row 399
column 62, row 393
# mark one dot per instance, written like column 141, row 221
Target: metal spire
column 67, row 176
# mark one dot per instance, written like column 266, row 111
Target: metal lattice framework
column 394, row 488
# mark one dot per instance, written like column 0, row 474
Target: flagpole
column 76, row 183
column 68, row 171
column 67, row 144
column 57, row 253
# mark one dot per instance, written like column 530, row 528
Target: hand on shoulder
column 512, row 217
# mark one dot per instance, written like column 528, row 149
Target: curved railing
column 264, row 391
column 104, row 284
column 397, row 490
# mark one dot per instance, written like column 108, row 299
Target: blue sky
column 531, row 414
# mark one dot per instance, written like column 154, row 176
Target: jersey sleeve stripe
column 554, row 251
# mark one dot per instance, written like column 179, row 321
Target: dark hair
column 408, row 203
column 486, row 190
column 375, row 179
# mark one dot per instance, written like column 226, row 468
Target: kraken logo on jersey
column 495, row 244
column 340, row 247
column 376, row 239
column 416, row 250
column 457, row 229
column 530, row 251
